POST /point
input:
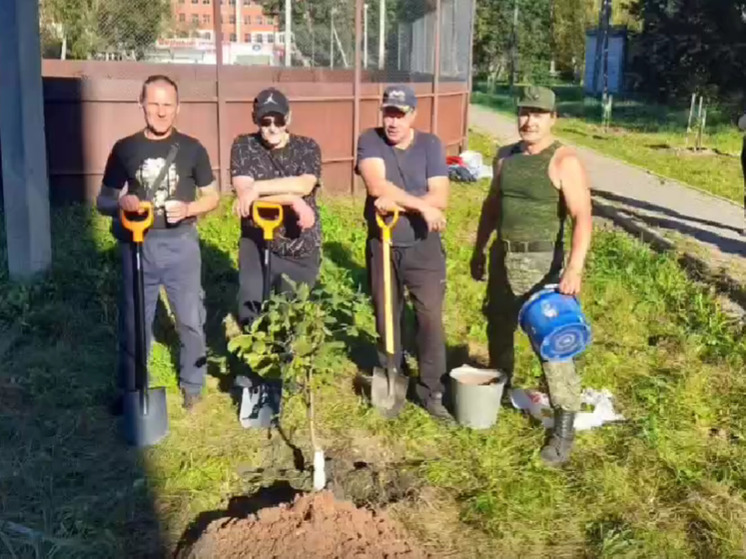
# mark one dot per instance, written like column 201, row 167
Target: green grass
column 649, row 136
column 668, row 482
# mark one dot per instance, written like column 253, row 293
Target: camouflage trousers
column 513, row 278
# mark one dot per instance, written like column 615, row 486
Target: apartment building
column 242, row 21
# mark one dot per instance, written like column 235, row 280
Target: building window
column 247, row 20
column 195, row 1
column 206, row 2
column 259, row 38
column 206, row 18
column 195, row 18
column 181, row 1
column 270, row 37
column 232, row 2
column 233, row 37
column 182, row 18
column 259, row 20
column 247, row 38
column 232, row 19
column 247, row 2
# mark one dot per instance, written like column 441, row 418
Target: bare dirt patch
column 313, row 525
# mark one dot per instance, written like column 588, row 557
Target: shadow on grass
column 63, row 461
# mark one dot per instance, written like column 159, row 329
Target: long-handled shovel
column 260, row 402
column 388, row 389
column 145, row 414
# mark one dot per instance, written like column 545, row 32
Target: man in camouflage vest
column 537, row 183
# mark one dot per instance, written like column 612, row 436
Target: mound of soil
column 314, row 525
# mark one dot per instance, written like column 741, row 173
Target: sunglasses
column 279, row 121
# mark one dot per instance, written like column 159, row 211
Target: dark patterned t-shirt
column 301, row 156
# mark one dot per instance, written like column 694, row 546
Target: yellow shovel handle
column 388, row 304
column 138, row 227
column 268, row 226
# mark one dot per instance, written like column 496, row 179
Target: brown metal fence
column 343, row 53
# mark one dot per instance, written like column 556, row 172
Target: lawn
column 670, row 481
column 649, row 136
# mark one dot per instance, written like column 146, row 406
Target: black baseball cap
column 401, row 97
column 269, row 101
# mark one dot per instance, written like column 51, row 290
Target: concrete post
column 24, row 156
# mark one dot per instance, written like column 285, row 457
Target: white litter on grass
column 473, row 161
column 537, row 404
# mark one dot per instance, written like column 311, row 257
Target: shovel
column 260, row 400
column 388, row 389
column 145, row 415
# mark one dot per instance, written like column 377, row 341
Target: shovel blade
column 260, row 403
column 388, row 391
column 145, row 427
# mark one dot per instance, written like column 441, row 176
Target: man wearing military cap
column 537, row 183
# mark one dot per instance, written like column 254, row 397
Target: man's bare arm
column 491, row 204
column 576, row 192
column 208, row 200
column 437, row 192
column 373, row 171
column 298, row 186
column 107, row 202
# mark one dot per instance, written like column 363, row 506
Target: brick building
column 243, row 21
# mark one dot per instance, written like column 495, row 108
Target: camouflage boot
column 557, row 449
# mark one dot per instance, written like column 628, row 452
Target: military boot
column 557, row 450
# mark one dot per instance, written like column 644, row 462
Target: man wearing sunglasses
column 276, row 166
column 406, row 169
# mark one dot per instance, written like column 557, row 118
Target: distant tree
column 81, row 28
column 692, row 46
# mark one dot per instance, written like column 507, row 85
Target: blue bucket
column 555, row 324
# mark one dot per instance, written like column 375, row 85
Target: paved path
column 677, row 210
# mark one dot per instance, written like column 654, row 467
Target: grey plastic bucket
column 477, row 394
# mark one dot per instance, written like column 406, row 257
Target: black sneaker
column 190, row 400
column 434, row 406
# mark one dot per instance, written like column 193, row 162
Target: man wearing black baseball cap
column 537, row 184
column 405, row 169
column 276, row 166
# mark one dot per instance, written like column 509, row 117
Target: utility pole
column 514, row 46
column 288, row 33
column 607, row 26
column 365, row 35
column 602, row 47
column 381, row 32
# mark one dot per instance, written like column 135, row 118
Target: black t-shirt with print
column 250, row 157
column 136, row 161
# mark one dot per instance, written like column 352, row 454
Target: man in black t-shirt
column 171, row 253
column 276, row 166
column 406, row 169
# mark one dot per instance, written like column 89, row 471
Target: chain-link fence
column 398, row 39
column 107, row 29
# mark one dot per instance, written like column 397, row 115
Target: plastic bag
column 537, row 404
column 474, row 162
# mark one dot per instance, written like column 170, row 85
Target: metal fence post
column 223, row 150
column 436, row 71
column 356, row 90
column 469, row 76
